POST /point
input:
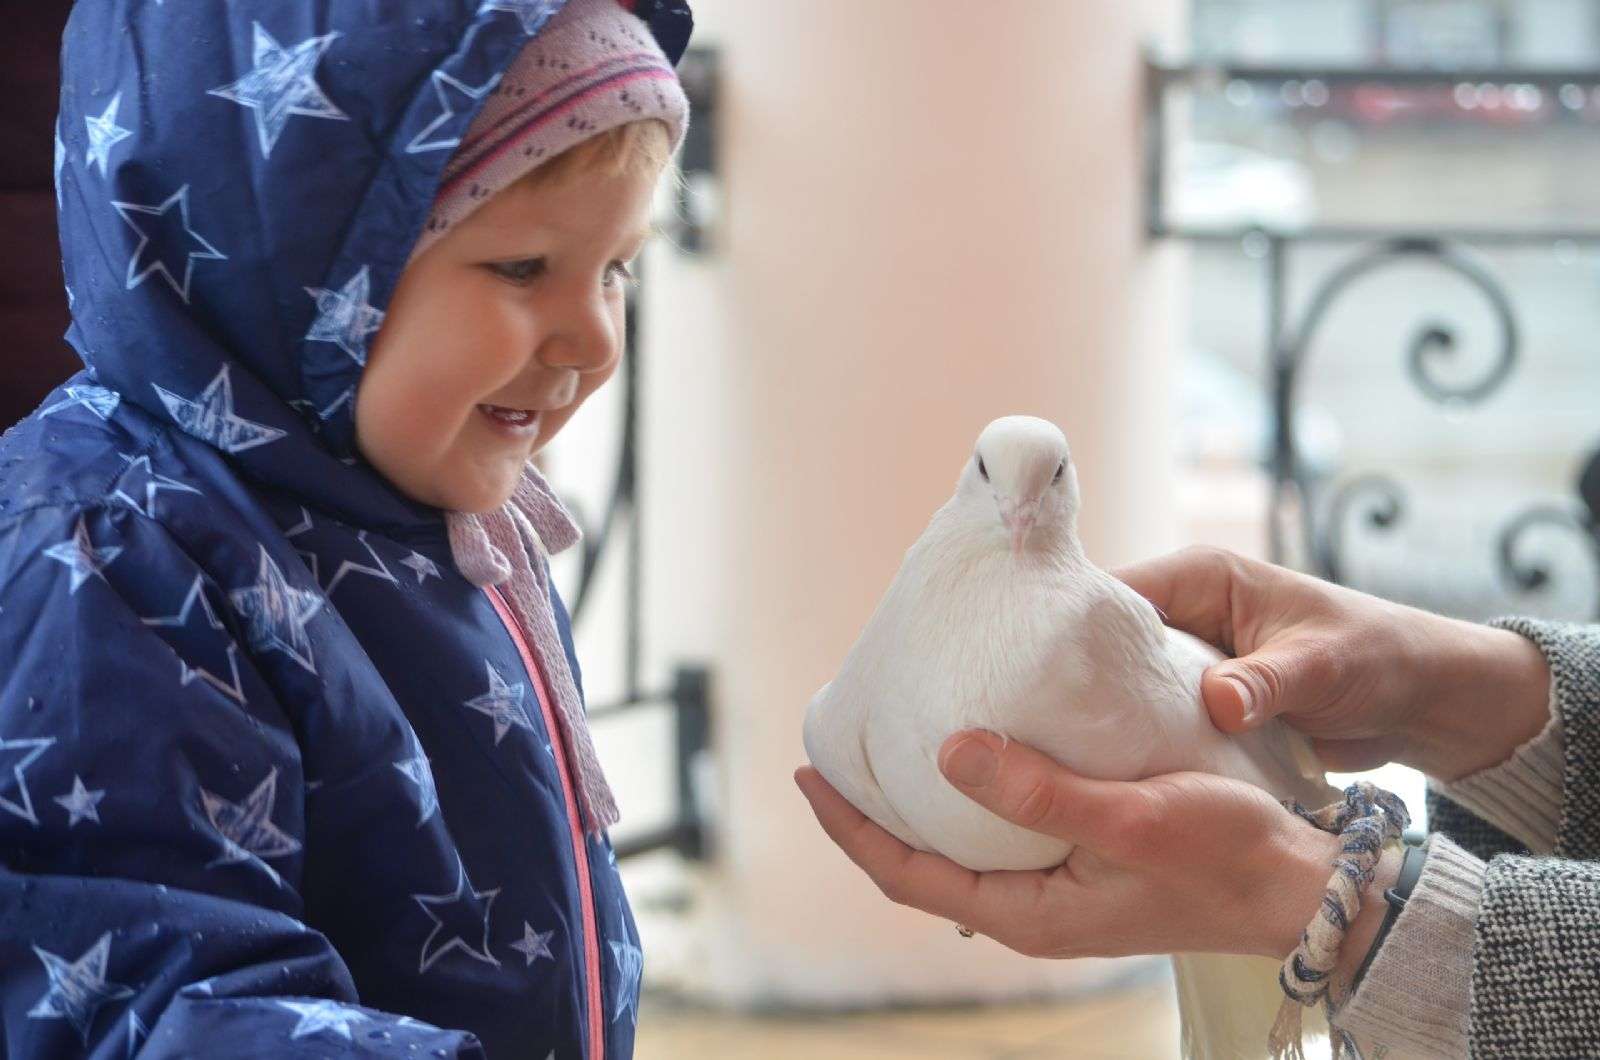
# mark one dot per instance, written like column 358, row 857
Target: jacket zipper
column 591, row 940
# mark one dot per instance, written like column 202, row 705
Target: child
column 292, row 750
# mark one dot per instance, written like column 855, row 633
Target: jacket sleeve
column 1536, row 965
column 152, row 819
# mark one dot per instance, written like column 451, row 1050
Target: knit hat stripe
column 492, row 147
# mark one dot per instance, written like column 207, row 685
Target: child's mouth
column 519, row 423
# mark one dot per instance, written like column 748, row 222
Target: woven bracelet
column 1365, row 819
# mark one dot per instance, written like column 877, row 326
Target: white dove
column 997, row 620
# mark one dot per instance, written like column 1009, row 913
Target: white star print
column 61, row 160
column 81, row 557
column 323, row 1015
column 532, row 13
column 534, row 944
column 418, row 772
column 461, row 904
column 137, row 1032
column 187, row 673
column 210, row 417
column 630, row 969
column 77, row 988
column 136, row 275
column 152, row 484
column 381, row 571
column 421, row 565
column 246, row 828
column 502, row 702
column 345, row 317
column 32, row 747
column 276, row 613
column 81, row 802
column 97, row 399
column 282, row 84
column 104, row 134
column 422, row 142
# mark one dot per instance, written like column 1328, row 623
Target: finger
column 1020, row 785
column 910, row 877
column 1293, row 674
column 1194, row 589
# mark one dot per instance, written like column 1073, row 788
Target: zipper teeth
column 591, row 940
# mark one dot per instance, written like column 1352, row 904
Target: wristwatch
column 1396, row 896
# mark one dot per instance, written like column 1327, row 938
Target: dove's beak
column 1019, row 521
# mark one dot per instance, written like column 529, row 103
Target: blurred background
column 1311, row 279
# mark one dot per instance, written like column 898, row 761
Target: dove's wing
column 834, row 734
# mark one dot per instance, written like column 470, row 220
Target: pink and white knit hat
column 593, row 67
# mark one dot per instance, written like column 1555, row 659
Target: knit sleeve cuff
column 1522, row 795
column 1414, row 996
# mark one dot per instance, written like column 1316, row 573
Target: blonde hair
column 643, row 146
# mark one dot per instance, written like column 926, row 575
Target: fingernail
column 971, row 762
column 1246, row 699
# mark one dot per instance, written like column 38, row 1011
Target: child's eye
column 518, row 271
column 618, row 270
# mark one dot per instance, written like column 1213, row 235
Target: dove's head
column 1023, row 467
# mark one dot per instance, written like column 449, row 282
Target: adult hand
column 1179, row 862
column 1369, row 680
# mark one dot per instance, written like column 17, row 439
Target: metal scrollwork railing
column 1297, row 509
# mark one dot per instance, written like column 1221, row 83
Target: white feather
column 1038, row 644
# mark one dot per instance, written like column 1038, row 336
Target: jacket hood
column 240, row 186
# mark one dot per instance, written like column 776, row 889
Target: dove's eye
column 983, row 470
column 1061, row 469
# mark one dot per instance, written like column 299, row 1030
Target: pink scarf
column 509, row 547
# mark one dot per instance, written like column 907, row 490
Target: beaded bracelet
column 1365, row 819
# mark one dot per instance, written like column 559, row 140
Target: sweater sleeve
column 152, row 816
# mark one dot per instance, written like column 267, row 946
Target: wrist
column 1298, row 886
column 1487, row 692
column 1363, row 931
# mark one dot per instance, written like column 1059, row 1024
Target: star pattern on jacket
column 425, row 140
column 78, row 989
column 276, row 613
column 423, row 567
column 531, row 13
column 246, row 829
column 29, row 749
column 323, row 1015
column 60, row 161
column 104, row 134
column 81, row 558
column 534, row 944
column 503, row 703
column 345, row 317
column 418, row 770
column 630, row 970
column 209, row 416
column 171, row 219
column 377, row 569
column 81, row 803
column 137, row 1032
column 141, row 477
column 281, row 84
column 97, row 399
column 207, row 614
column 455, row 915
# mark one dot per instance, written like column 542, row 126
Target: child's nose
column 587, row 339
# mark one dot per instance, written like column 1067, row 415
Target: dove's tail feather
column 1227, row 1004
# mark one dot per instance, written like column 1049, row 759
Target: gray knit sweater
column 1498, row 952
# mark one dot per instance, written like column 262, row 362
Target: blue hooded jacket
column 275, row 780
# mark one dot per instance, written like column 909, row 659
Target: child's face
column 497, row 333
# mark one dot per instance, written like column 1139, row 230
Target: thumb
column 1243, row 693
column 1025, row 787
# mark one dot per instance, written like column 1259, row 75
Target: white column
column 931, row 218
